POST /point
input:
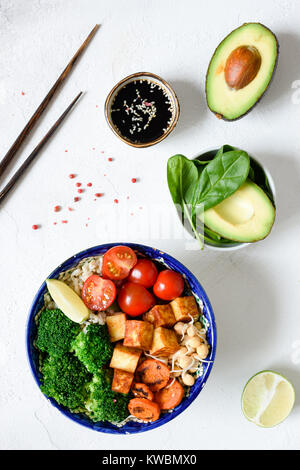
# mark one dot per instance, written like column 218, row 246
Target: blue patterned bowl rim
column 197, row 289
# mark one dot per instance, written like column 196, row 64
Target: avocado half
column 241, row 70
column 246, row 216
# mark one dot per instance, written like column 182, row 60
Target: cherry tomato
column 98, row 293
column 144, row 273
column 134, row 299
column 118, row 261
column 168, row 285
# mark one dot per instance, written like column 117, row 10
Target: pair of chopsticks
column 35, row 117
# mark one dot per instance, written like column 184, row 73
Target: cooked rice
column 76, row 276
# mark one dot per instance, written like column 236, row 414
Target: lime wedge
column 67, row 300
column 267, row 398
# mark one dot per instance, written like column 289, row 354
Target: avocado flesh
column 246, row 216
column 227, row 102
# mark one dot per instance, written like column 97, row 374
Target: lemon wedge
column 267, row 399
column 67, row 300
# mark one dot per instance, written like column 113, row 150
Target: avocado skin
column 219, row 116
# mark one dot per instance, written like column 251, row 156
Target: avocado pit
column 242, row 66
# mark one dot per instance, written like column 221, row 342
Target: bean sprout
column 163, row 360
column 189, row 350
column 186, row 325
column 203, row 360
column 190, row 366
column 202, row 337
column 170, row 385
column 173, row 358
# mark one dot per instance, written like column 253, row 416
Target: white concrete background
column 255, row 292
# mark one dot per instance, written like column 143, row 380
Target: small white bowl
column 234, row 245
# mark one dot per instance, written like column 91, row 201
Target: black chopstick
column 36, row 151
column 34, row 118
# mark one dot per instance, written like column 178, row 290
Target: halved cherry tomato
column 134, row 299
column 144, row 273
column 168, row 285
column 118, row 261
column 98, row 293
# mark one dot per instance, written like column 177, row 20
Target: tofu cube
column 116, row 326
column 183, row 307
column 122, row 381
column 161, row 315
column 164, row 342
column 125, row 358
column 138, row 334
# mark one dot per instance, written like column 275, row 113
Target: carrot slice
column 153, row 373
column 170, row 396
column 141, row 390
column 144, row 409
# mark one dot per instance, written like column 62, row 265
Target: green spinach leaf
column 182, row 175
column 221, row 178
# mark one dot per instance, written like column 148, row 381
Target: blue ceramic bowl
column 130, row 427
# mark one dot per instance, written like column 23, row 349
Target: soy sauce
column 142, row 111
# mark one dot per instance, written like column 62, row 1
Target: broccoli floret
column 93, row 347
column 65, row 379
column 55, row 332
column 104, row 404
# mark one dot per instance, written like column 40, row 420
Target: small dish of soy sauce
column 142, row 109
